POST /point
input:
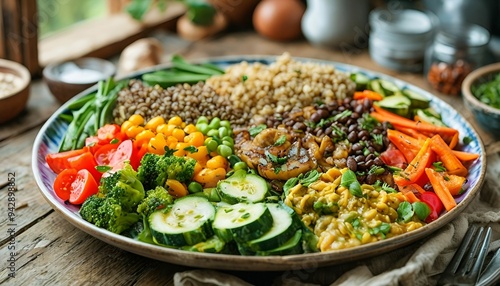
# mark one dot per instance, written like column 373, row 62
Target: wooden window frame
column 103, row 37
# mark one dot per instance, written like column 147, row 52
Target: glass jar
column 455, row 52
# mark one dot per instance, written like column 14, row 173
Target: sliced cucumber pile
column 404, row 102
column 239, row 224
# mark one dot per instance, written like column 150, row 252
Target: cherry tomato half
column 434, row 203
column 109, row 132
column 104, row 154
column 393, row 157
column 58, row 162
column 125, row 152
column 75, row 186
column 85, row 161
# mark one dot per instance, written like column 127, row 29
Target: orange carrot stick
column 454, row 141
column 408, row 145
column 437, row 182
column 416, row 168
column 454, row 183
column 450, row 161
column 412, row 132
column 465, row 156
column 368, row 94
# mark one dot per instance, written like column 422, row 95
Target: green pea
column 195, row 187
column 202, row 119
column 213, row 133
column 228, row 138
column 228, row 143
column 214, row 123
column 202, row 127
column 223, row 131
column 224, row 150
column 240, row 166
column 212, row 145
column 225, row 123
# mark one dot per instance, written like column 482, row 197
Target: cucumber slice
column 389, row 87
column 361, row 80
column 243, row 187
column 242, row 222
column 284, row 227
column 188, row 222
column 377, row 87
column 417, row 100
column 398, row 104
column 428, row 117
column 292, row 246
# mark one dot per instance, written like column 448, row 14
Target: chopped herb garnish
column 169, row 152
column 343, row 114
column 350, row 181
column 281, row 140
column 367, row 122
column 376, row 170
column 244, row 78
column 405, row 211
column 438, row 166
column 388, row 189
column 103, row 169
column 379, row 139
column 310, row 177
column 256, row 129
column 275, row 159
column 245, row 215
column 467, row 140
column 228, row 210
column 191, row 149
column 114, row 141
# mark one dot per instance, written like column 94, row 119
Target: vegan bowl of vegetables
column 325, row 183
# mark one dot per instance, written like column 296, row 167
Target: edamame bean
column 202, row 127
column 224, row 150
column 213, row 133
column 195, row 187
column 225, row 123
column 240, row 166
column 214, row 123
column 223, row 132
column 212, row 145
column 202, row 119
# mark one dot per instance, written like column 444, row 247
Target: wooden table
column 51, row 251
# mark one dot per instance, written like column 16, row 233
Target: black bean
column 353, row 103
column 323, row 113
column 350, row 122
column 361, row 166
column 328, row 130
column 357, row 147
column 371, row 179
column 355, row 115
column 315, row 117
column 376, row 131
column 347, row 101
column 360, row 158
column 367, row 105
column 369, row 163
column 299, row 126
column 352, row 164
column 363, row 133
column 319, row 132
column 370, row 157
column 352, row 137
column 352, row 128
column 341, row 108
column 377, row 161
column 371, row 149
column 358, row 109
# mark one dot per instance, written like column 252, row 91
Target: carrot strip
column 416, row 167
column 411, row 132
column 423, row 127
column 454, row 183
column 368, row 94
column 410, row 191
column 465, row 156
column 408, row 145
column 450, row 161
column 454, row 141
column 437, row 182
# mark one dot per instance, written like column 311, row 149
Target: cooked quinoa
column 281, row 86
column 187, row 101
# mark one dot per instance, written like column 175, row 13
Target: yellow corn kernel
column 179, row 134
column 154, row 122
column 176, row 120
column 195, row 138
column 201, row 155
column 210, row 177
column 133, row 131
column 162, row 128
column 125, row 126
column 136, row 119
column 144, row 136
column 369, row 215
column 366, row 238
column 172, row 142
column 157, row 144
column 217, row 162
column 190, row 128
column 176, row 188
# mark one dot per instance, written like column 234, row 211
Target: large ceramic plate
column 51, row 134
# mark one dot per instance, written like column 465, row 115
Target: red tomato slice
column 104, row 154
column 434, row 203
column 62, row 183
column 393, row 157
column 107, row 133
column 92, row 143
column 58, row 162
column 85, row 161
column 83, row 186
column 125, row 152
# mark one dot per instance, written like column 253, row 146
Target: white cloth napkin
column 417, row 264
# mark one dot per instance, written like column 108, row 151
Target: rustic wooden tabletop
column 48, row 250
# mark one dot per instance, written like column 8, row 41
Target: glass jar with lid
column 455, row 52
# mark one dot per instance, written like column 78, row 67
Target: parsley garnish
column 367, row 122
column 281, row 140
column 256, row 129
column 191, row 149
column 103, row 169
column 275, row 159
column 114, row 141
column 379, row 139
column 169, row 152
column 244, row 78
column 467, row 140
column 438, row 166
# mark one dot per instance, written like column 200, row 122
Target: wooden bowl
column 66, row 79
column 487, row 116
column 14, row 89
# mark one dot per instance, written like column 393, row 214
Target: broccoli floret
column 114, row 206
column 148, row 172
column 156, row 169
column 155, row 199
column 178, row 168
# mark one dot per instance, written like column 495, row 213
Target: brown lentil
column 187, row 101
